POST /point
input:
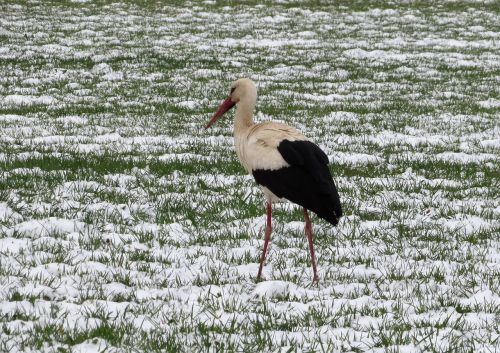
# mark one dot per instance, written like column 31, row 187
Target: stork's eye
column 232, row 89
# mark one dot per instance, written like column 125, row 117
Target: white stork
column 283, row 162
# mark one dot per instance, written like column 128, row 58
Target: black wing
column 307, row 181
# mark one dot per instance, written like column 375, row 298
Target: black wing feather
column 307, row 181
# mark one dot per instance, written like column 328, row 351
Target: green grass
column 125, row 224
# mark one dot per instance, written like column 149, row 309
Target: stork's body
column 283, row 162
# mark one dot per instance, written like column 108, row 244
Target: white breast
column 257, row 147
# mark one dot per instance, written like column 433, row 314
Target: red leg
column 308, row 229
column 266, row 239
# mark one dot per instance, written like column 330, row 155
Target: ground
column 126, row 226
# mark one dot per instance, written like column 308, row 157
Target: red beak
column 224, row 107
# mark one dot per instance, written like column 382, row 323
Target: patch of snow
column 464, row 158
column 375, row 55
column 493, row 143
column 273, row 289
column 101, row 69
column 490, row 103
column 467, row 224
column 24, row 100
column 106, row 138
column 355, row 158
column 13, row 245
column 183, row 157
column 482, row 297
column 46, row 227
column 94, row 345
column 8, row 214
column 177, row 232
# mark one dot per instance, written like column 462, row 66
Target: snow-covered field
column 126, row 226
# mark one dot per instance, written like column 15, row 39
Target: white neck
column 243, row 117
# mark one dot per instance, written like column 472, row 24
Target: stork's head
column 241, row 90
